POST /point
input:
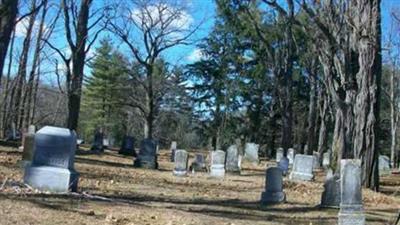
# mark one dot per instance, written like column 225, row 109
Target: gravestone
column 232, row 159
column 174, row 145
column 128, row 146
column 384, row 165
column 279, row 154
column 28, row 149
column 106, row 143
column 284, row 165
column 331, row 195
column 273, row 187
column 97, row 145
column 147, row 157
column 316, row 164
column 351, row 206
column 302, row 168
column 217, row 168
column 290, row 155
column 181, row 163
column 326, row 160
column 52, row 167
column 251, row 152
column 199, row 163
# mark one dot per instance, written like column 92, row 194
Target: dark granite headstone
column 351, row 205
column 199, row 163
column 147, row 157
column 52, row 168
column 273, row 187
column 331, row 195
column 128, row 146
column 181, row 163
column 97, row 145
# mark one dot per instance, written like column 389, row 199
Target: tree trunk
column 78, row 64
column 8, row 11
column 366, row 41
column 312, row 113
column 31, row 81
column 18, row 101
column 393, row 117
column 323, row 134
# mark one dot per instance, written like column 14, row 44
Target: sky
column 199, row 11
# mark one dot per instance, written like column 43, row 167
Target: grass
column 112, row 192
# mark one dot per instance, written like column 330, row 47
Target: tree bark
column 8, row 11
column 312, row 113
column 323, row 134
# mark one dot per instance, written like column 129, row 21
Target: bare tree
column 8, row 14
column 77, row 31
column 148, row 28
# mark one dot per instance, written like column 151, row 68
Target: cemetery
column 199, row 112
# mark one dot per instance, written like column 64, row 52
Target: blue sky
column 199, row 10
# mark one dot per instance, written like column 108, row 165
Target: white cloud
column 22, row 26
column 161, row 14
column 195, row 55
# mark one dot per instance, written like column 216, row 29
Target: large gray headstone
column 302, row 168
column 147, row 157
column 52, row 168
column 290, row 155
column 173, row 149
column 279, row 154
column 251, row 152
column 217, row 168
column 351, row 206
column 232, row 159
column 181, row 163
column 273, row 187
column 384, row 165
column 331, row 195
column 128, row 146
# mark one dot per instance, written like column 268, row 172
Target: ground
column 112, row 192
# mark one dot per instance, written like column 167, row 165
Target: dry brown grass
column 112, row 192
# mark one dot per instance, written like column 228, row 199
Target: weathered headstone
column 290, row 155
column 384, row 165
column 302, row 168
column 284, row 165
column 232, row 159
column 52, row 168
column 273, row 187
column 199, row 163
column 279, row 154
column 128, row 146
column 251, row 152
column 331, row 195
column 181, row 163
column 147, row 157
column 351, row 206
column 326, row 160
column 316, row 164
column 174, row 145
column 217, row 168
column 106, row 143
column 28, row 149
column 97, row 145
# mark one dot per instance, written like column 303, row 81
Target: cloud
column 175, row 20
column 195, row 55
column 22, row 26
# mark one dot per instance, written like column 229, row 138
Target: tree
column 8, row 14
column 148, row 30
